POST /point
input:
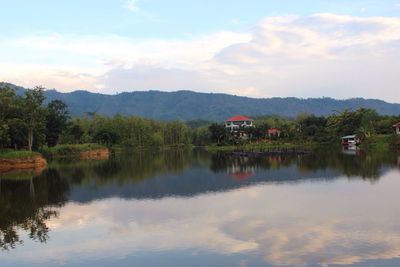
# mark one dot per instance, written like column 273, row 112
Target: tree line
column 362, row 122
column 26, row 122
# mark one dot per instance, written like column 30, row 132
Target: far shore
column 11, row 160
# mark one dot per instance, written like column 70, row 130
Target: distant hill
column 188, row 105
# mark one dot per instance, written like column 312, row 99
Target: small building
column 397, row 128
column 350, row 140
column 235, row 123
column 273, row 132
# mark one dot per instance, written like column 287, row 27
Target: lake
column 194, row 208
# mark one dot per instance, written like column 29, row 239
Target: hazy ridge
column 189, row 105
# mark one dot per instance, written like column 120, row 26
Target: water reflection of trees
column 150, row 174
column 27, row 205
column 368, row 166
column 122, row 168
column 138, row 167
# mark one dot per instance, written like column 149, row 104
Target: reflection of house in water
column 242, row 168
column 239, row 168
column 351, row 151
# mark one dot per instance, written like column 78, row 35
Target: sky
column 255, row 48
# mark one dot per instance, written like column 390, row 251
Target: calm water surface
column 192, row 208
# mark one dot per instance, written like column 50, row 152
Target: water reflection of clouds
column 285, row 225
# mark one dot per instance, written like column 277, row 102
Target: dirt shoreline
column 101, row 153
column 30, row 163
column 38, row 163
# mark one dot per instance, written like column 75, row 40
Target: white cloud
column 311, row 56
column 132, row 5
column 153, row 77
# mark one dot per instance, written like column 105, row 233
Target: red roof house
column 236, row 122
column 239, row 118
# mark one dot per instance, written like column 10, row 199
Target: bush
column 69, row 150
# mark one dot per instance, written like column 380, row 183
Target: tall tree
column 56, row 121
column 7, row 106
column 7, row 102
column 34, row 114
column 218, row 132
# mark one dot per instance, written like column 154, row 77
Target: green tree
column 8, row 106
column 56, row 121
column 34, row 116
column 106, row 136
column 311, row 127
column 218, row 132
column 4, row 136
column 201, row 136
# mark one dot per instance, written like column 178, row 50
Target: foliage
column 33, row 115
column 128, row 131
column 381, row 142
column 69, row 149
column 73, row 134
column 218, row 133
column 307, row 129
column 26, row 123
column 27, row 205
column 106, row 136
column 56, row 121
column 312, row 128
column 201, row 136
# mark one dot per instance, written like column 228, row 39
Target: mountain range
column 189, row 105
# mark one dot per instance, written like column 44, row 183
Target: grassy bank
column 20, row 163
column 17, row 154
column 69, row 150
column 375, row 143
column 125, row 148
column 381, row 142
column 262, row 146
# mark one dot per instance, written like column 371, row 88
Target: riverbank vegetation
column 305, row 131
column 30, row 123
column 70, row 150
column 128, row 131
